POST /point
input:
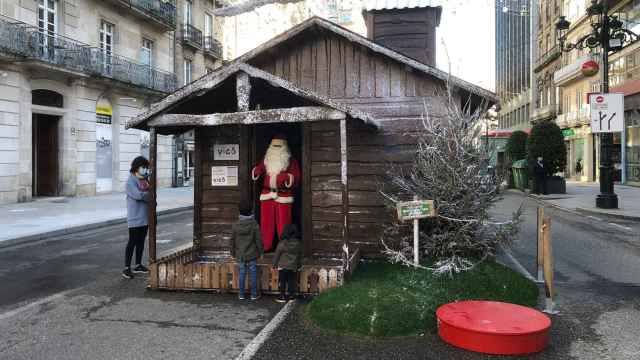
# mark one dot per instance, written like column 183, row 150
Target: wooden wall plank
column 358, row 214
column 325, row 168
column 352, row 69
column 382, row 77
column 398, row 79
column 365, row 198
column 330, row 214
column 367, row 74
column 217, row 196
column 153, row 275
column 279, row 67
column 324, row 183
column 410, row 89
column 179, row 269
column 327, row 230
column 325, row 154
column 308, row 70
column 326, row 198
column 188, row 276
column 322, row 66
column 337, row 68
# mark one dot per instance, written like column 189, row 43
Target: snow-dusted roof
column 399, row 4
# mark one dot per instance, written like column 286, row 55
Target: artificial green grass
column 385, row 300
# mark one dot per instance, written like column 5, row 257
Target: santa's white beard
column 276, row 160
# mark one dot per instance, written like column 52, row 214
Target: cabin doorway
column 45, row 155
column 262, row 135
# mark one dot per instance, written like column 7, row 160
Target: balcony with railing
column 571, row 71
column 212, row 47
column 22, row 41
column 161, row 12
column 545, row 112
column 573, row 118
column 546, row 58
column 191, row 36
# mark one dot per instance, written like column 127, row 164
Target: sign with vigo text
column 224, row 176
column 228, row 152
column 607, row 112
column 418, row 209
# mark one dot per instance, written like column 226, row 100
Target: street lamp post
column 608, row 34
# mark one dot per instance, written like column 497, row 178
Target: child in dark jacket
column 246, row 245
column 288, row 260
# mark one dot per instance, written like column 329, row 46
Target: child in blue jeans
column 246, row 245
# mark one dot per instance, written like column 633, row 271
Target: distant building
column 246, row 31
column 72, row 73
column 513, row 63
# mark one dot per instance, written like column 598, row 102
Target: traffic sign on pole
column 607, row 112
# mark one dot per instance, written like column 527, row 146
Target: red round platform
column 493, row 327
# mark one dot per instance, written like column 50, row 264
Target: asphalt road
column 64, row 298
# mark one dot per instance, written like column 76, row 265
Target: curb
column 606, row 214
column 81, row 228
column 577, row 211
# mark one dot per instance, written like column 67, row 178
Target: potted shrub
column 546, row 140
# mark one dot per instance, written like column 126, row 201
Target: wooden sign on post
column 415, row 210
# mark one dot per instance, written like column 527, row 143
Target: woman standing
column 137, row 189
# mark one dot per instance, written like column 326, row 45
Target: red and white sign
column 607, row 112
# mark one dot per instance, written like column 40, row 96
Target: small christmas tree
column 451, row 170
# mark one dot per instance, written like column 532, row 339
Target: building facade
column 72, row 73
column 513, row 63
column 571, row 95
column 624, row 77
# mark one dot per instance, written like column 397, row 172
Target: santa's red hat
column 279, row 139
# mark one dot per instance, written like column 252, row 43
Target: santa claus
column 281, row 175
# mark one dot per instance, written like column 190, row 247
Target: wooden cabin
column 348, row 107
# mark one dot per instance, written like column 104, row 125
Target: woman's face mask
column 143, row 171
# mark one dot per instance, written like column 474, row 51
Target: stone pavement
column 581, row 197
column 55, row 216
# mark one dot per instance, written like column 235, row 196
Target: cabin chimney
column 409, row 31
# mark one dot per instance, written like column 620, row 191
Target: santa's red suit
column 276, row 198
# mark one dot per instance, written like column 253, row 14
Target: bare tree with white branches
column 450, row 168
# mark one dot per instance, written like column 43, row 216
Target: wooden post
column 416, row 239
column 243, row 91
column 307, row 224
column 199, row 156
column 540, row 233
column 345, row 188
column 548, row 266
column 153, row 177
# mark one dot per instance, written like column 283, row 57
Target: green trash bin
column 520, row 174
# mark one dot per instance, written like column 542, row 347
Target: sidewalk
column 55, row 216
column 581, row 197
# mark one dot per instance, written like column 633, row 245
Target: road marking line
column 252, row 348
column 17, row 311
column 621, row 226
column 594, row 218
column 519, row 266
